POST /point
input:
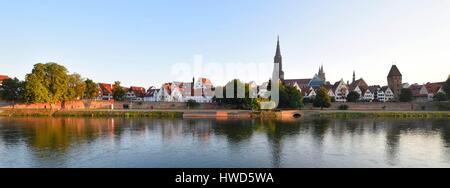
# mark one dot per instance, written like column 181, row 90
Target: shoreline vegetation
column 287, row 114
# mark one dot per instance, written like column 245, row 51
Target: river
column 180, row 143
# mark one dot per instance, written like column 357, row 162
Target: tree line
column 290, row 97
column 48, row 83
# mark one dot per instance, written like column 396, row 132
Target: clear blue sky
column 138, row 42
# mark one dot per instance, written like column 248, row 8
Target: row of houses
column 373, row 93
column 201, row 91
column 132, row 93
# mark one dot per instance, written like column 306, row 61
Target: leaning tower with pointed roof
column 394, row 79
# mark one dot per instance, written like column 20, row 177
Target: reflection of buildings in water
column 393, row 131
column 276, row 132
column 396, row 128
column 170, row 129
column 201, row 129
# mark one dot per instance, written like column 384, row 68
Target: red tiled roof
column 205, row 81
column 415, row 89
column 361, row 83
column 433, row 87
column 3, row 77
column 105, row 88
column 138, row 91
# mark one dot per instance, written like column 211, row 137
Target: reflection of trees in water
column 395, row 128
column 319, row 129
column 55, row 136
column 239, row 131
column 236, row 131
column 276, row 132
column 444, row 126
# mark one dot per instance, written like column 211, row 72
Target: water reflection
column 98, row 142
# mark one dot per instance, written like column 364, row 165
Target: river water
column 142, row 142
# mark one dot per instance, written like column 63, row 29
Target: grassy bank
column 27, row 112
column 375, row 114
column 88, row 113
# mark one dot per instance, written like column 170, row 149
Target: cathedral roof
column 300, row 82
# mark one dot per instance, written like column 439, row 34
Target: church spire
column 278, row 53
column 278, row 60
column 322, row 73
column 354, row 76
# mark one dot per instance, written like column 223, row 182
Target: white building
column 387, row 93
column 340, row 90
column 200, row 91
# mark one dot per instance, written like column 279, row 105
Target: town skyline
column 139, row 48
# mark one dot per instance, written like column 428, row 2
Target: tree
column 322, row 99
column 290, row 97
column 118, row 92
column 243, row 102
column 76, row 87
column 91, row 90
column 46, row 83
column 440, row 97
column 58, row 81
column 12, row 90
column 256, row 103
column 446, row 86
column 406, row 95
column 353, row 96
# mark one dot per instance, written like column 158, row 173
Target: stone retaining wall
column 94, row 104
column 390, row 106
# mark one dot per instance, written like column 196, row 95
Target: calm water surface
column 117, row 142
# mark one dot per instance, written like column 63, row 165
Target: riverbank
column 384, row 114
column 90, row 113
column 244, row 114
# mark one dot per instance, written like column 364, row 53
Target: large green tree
column 243, row 102
column 353, row 96
column 46, row 83
column 12, row 90
column 91, row 90
column 290, row 97
column 58, row 82
column 118, row 92
column 322, row 99
column 76, row 87
column 36, row 85
column 406, row 95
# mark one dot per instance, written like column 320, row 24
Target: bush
column 440, row 97
column 192, row 104
column 343, row 107
column 353, row 96
column 406, row 95
column 322, row 99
